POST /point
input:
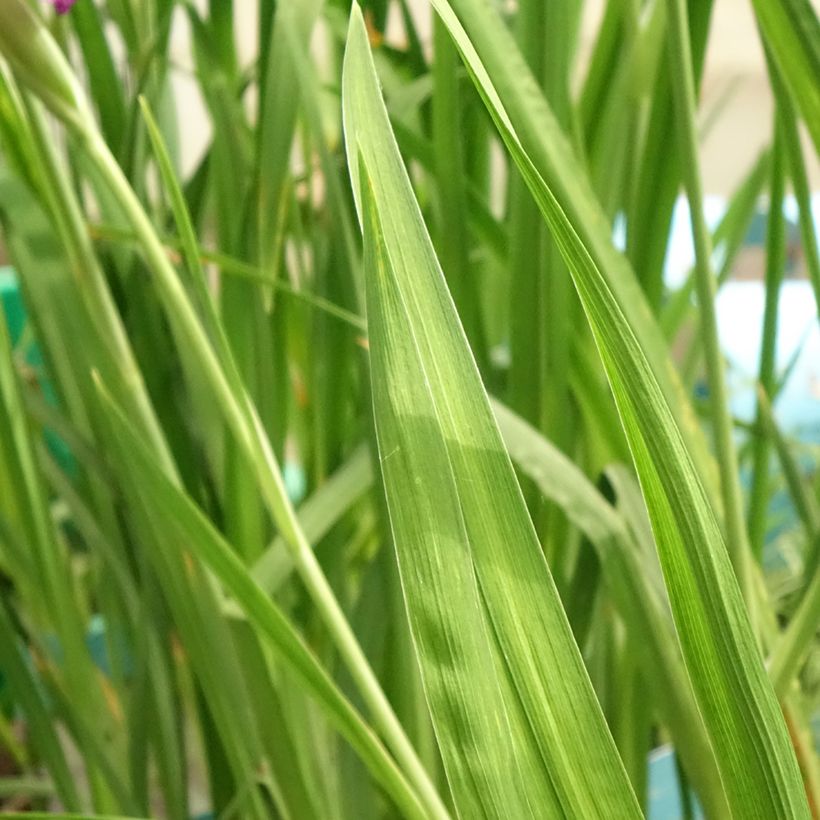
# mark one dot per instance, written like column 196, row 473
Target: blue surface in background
column 664, row 791
column 740, row 306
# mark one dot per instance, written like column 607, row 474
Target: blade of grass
column 799, row 637
column 150, row 487
column 649, row 214
column 775, row 268
column 450, row 176
column 727, row 239
column 106, row 89
column 31, row 697
column 317, row 515
column 492, row 47
column 742, row 716
column 791, row 648
column 449, row 482
column 244, row 316
column 805, row 503
column 791, row 32
column 683, row 85
column 240, row 415
column 636, row 592
column 26, row 505
column 244, row 422
column 291, row 28
column 296, row 793
column 527, row 254
column 797, row 172
column 231, row 266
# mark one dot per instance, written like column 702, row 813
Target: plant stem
column 796, row 640
column 791, row 647
column 775, row 263
column 453, row 245
column 804, row 502
column 90, row 280
column 242, row 420
column 684, row 90
column 799, row 178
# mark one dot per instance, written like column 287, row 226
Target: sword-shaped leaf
column 520, row 730
column 741, row 712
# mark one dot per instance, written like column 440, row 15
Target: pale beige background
column 735, row 80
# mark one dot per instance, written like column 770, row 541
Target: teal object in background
column 295, row 481
column 14, row 311
column 664, row 801
column 12, row 301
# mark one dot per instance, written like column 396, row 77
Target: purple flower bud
column 62, row 6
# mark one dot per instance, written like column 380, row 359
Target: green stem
column 792, row 646
column 727, row 239
column 453, row 245
column 242, row 419
column 799, row 178
column 231, row 266
column 90, row 280
column 775, row 263
column 796, row 641
column 526, row 253
column 804, row 502
column 684, row 90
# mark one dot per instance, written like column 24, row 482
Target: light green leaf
column 316, row 516
column 520, row 730
column 492, row 57
column 791, row 31
column 634, row 582
column 742, row 716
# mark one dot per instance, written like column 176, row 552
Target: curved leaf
column 741, row 713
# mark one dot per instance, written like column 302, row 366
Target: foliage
column 387, row 499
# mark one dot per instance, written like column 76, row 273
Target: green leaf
column 520, row 730
column 292, row 24
column 150, row 488
column 799, row 178
column 741, row 713
column 633, row 579
column 491, row 56
column 31, row 697
column 317, row 516
column 106, row 88
column 791, row 31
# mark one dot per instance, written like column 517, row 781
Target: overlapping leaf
column 164, row 503
column 742, row 715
